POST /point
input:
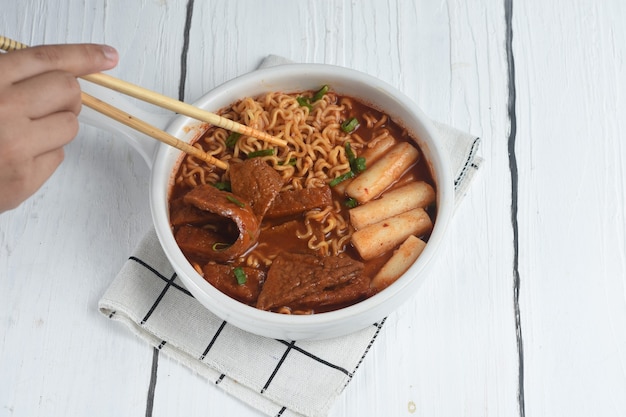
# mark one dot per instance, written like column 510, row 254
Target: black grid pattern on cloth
column 291, row 346
column 379, row 327
column 468, row 163
column 212, row 342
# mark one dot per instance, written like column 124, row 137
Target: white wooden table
column 525, row 313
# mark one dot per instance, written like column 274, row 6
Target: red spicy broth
column 308, row 162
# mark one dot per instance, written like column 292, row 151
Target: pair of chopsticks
column 160, row 100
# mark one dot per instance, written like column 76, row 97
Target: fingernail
column 109, row 52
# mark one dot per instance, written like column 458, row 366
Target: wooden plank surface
column 541, row 83
column 571, row 153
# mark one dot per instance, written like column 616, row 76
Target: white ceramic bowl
column 298, row 77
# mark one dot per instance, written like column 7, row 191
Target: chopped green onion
column 350, row 202
column 219, row 246
column 304, row 102
column 235, row 201
column 350, row 125
column 320, row 93
column 222, row 186
column 232, row 139
column 349, row 152
column 291, row 162
column 358, row 164
column 240, row 275
column 341, row 178
column 262, row 152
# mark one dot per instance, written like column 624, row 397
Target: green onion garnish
column 262, row 152
column 240, row 275
column 219, row 246
column 350, row 202
column 350, row 125
column 320, row 93
column 222, row 186
column 304, row 102
column 349, row 152
column 235, row 201
column 358, row 164
column 341, row 178
column 232, row 139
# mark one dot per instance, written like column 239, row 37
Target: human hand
column 39, row 104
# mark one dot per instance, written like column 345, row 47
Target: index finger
column 77, row 59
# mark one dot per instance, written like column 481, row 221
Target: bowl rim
column 230, row 309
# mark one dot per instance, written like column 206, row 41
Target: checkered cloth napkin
column 278, row 377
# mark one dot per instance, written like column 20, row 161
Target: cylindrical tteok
column 381, row 237
column 413, row 195
column 384, row 172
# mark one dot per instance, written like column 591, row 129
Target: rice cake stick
column 376, row 178
column 399, row 263
column 371, row 155
column 381, row 237
column 374, row 153
column 413, row 195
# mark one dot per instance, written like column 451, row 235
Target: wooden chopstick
column 114, row 113
column 179, row 107
column 141, row 126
